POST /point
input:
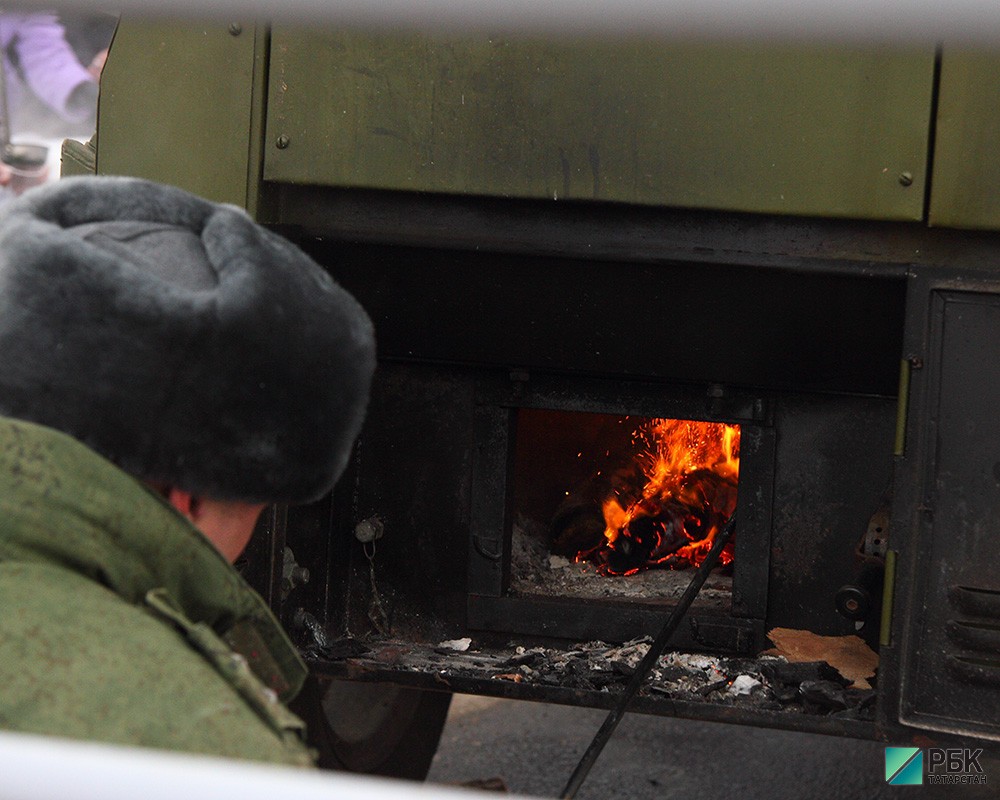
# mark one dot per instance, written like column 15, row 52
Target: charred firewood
column 662, row 530
column 823, row 695
column 861, row 704
column 623, row 668
column 529, row 659
column 577, row 526
column 671, row 673
column 831, row 697
column 714, row 686
column 782, row 673
column 578, row 523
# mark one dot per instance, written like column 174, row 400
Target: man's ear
column 185, row 502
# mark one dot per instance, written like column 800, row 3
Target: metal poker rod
column 655, row 650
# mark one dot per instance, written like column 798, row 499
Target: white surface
column 44, row 768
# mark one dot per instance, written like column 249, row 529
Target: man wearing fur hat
column 167, row 368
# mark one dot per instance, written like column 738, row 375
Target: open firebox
column 647, row 495
column 605, row 511
column 532, row 491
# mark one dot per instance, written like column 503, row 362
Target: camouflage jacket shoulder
column 120, row 622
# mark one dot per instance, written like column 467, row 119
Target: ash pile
column 767, row 682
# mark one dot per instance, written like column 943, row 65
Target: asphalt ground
column 534, row 747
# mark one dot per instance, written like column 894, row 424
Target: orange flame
column 691, row 470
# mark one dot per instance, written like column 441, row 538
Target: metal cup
column 23, row 166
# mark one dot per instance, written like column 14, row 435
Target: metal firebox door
column 946, row 629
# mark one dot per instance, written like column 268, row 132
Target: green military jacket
column 120, row 622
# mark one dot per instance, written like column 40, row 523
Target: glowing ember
column 691, row 470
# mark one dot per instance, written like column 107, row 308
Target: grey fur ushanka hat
column 179, row 339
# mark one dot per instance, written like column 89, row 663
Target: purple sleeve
column 49, row 65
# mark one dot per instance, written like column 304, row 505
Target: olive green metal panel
column 967, row 146
column 77, row 158
column 176, row 106
column 762, row 127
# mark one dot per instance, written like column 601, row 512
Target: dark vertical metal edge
column 508, row 506
column 278, row 527
column 257, row 127
column 932, row 135
column 753, row 540
column 336, row 577
column 889, row 585
column 904, row 525
column 902, row 407
column 489, row 548
column 921, row 482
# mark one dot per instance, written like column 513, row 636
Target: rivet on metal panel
column 916, row 362
column 370, row 529
column 282, row 142
column 716, row 393
column 906, row 178
column 235, row 29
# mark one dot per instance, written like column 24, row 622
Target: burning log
column 690, row 473
column 579, row 523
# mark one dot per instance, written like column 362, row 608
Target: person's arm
column 51, row 68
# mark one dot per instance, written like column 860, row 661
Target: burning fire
column 691, row 471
